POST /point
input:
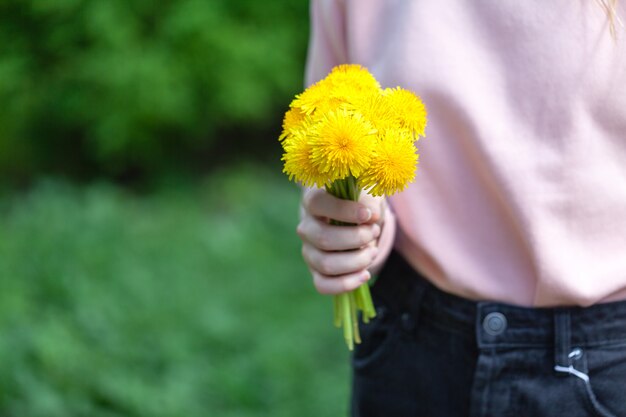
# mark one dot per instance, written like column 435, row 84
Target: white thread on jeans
column 571, row 370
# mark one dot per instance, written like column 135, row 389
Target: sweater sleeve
column 327, row 42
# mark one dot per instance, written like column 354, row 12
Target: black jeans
column 429, row 353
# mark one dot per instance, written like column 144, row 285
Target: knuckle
column 300, row 230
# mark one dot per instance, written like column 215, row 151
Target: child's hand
column 338, row 256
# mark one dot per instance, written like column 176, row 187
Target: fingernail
column 365, row 276
column 364, row 214
column 376, row 230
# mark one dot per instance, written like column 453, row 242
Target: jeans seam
column 607, row 343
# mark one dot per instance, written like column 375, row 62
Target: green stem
column 358, row 300
column 347, row 319
column 354, row 319
column 368, row 306
column 337, row 311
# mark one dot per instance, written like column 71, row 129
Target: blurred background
column 148, row 260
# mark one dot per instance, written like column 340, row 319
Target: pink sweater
column 520, row 195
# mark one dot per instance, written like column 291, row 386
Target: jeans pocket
column 603, row 390
column 376, row 337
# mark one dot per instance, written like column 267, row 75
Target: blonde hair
column 610, row 7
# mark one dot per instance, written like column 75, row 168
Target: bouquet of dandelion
column 347, row 134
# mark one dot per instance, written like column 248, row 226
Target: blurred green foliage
column 106, row 86
column 192, row 301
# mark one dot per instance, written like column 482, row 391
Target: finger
column 379, row 203
column 330, row 237
column 319, row 203
column 338, row 263
column 336, row 285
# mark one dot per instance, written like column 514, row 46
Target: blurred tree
column 104, row 86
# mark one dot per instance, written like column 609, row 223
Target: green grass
column 190, row 301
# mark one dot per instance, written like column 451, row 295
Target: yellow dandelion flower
column 298, row 164
column 331, row 104
column 343, row 143
column 409, row 109
column 375, row 108
column 393, row 165
column 312, row 98
column 349, row 93
column 293, row 121
column 342, row 85
column 352, row 77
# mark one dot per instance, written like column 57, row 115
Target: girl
column 502, row 280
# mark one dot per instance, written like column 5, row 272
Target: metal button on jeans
column 494, row 323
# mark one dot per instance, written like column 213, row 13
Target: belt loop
column 562, row 337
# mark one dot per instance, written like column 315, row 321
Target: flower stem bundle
column 348, row 135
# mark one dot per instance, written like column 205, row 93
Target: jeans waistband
column 499, row 325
